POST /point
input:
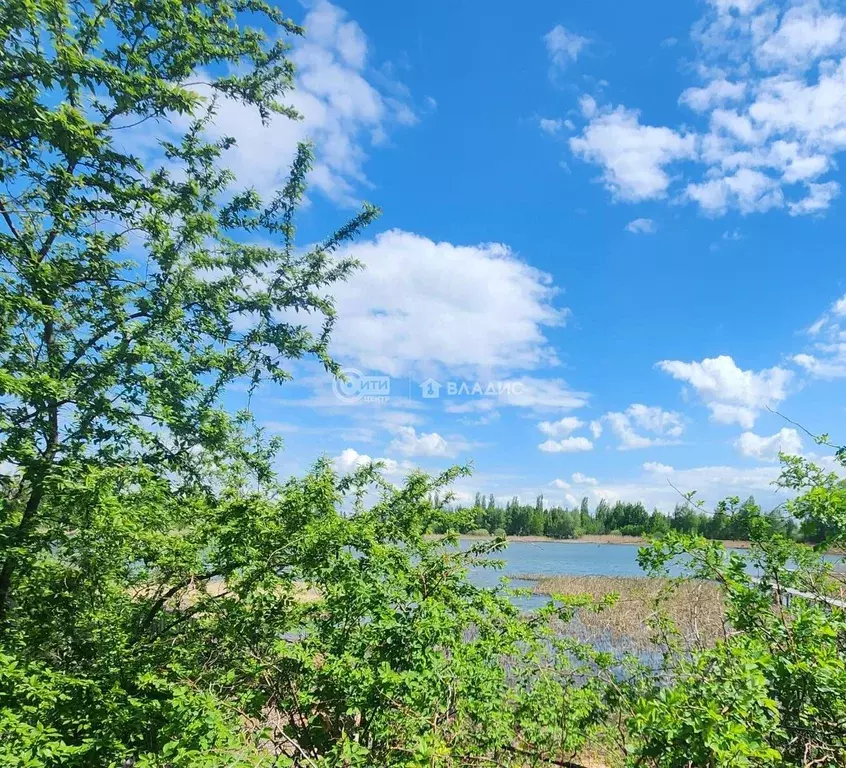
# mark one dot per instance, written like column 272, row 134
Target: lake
column 568, row 557
column 562, row 557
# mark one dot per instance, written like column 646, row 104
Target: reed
column 635, row 620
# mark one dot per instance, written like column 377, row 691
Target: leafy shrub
column 774, row 691
column 229, row 631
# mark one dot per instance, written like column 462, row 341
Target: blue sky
column 624, row 218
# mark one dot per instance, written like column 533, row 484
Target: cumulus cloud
column 747, row 190
column 633, row 156
column 717, row 92
column 421, row 305
column 345, row 111
column 733, row 395
column 563, row 46
column 665, row 427
column 754, row 446
column 580, row 479
column 641, row 227
column 567, row 445
column 561, row 485
column 562, row 439
column 806, row 32
column 409, row 443
column 770, row 112
column 657, row 468
column 562, row 427
column 818, row 199
column 350, row 460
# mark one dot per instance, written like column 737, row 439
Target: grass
column 695, row 608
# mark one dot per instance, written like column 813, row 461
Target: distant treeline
column 731, row 519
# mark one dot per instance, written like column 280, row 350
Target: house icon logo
column 430, row 388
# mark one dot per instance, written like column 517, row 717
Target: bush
column 773, row 693
column 216, row 632
column 479, row 532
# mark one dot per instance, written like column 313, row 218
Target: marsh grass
column 637, row 619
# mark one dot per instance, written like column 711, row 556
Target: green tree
column 165, row 601
column 131, row 296
column 585, row 520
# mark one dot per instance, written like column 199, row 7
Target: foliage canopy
column 166, row 601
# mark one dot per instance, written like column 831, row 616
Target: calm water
column 573, row 558
column 567, row 557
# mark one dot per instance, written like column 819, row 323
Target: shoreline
column 593, row 538
column 607, row 538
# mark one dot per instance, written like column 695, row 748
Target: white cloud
column 409, row 443
column 580, row 479
column 711, row 483
column 543, row 395
column 657, row 468
column 622, row 428
column 540, row 395
column 654, row 419
column 567, row 445
column 343, row 112
column 742, row 7
column 789, row 122
column 717, row 92
column 754, row 446
column 349, row 460
column 420, row 305
column 560, row 428
column 773, row 102
column 550, row 126
column 806, row 32
column 733, row 396
column 561, row 485
column 596, row 429
column 633, row 156
column 588, row 106
column 723, row 413
column 747, row 190
column 818, row 199
column 828, row 360
column 665, row 426
column 833, row 366
column 563, row 46
column 641, row 227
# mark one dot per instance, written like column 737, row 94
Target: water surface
column 571, row 558
column 562, row 557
